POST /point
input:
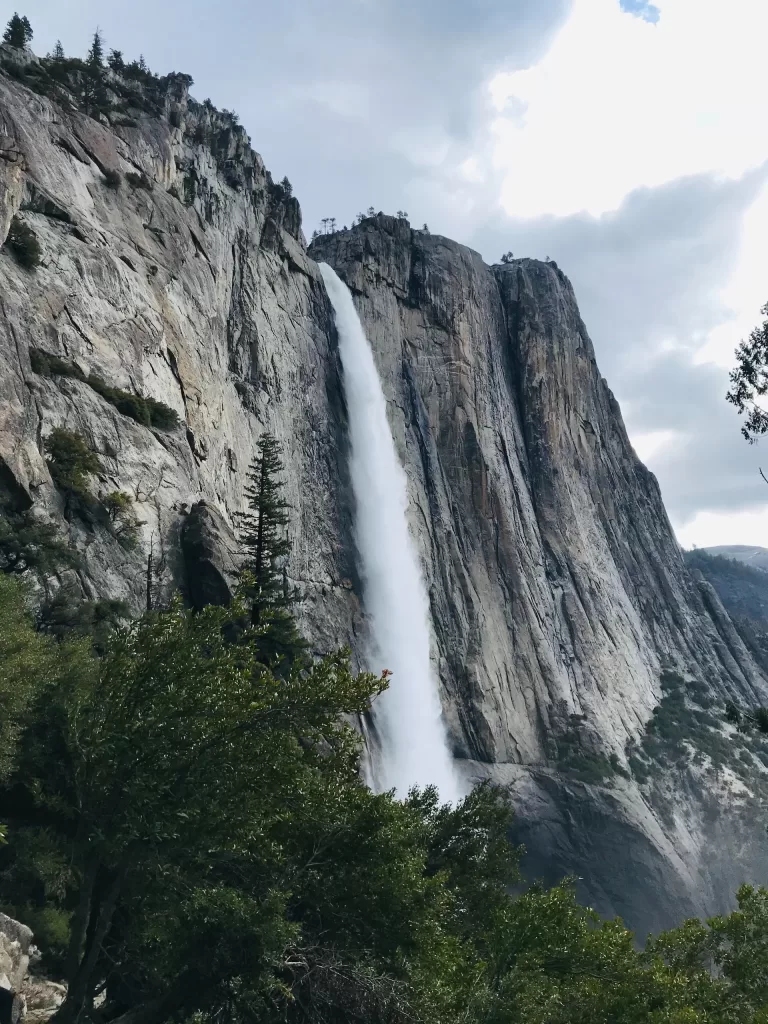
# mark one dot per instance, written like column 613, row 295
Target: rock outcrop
column 559, row 594
column 15, row 948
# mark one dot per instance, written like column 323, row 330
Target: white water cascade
column 414, row 748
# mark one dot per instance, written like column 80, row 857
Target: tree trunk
column 80, row 984
column 255, row 607
column 80, row 920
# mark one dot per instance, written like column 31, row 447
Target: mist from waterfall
column 414, row 747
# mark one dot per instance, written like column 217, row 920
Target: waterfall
column 414, row 748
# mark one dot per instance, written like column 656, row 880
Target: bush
column 48, row 365
column 147, row 411
column 67, row 615
column 28, row 545
column 23, row 243
column 71, row 461
column 138, row 181
column 112, row 178
column 125, row 523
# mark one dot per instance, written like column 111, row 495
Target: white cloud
column 707, row 529
column 651, row 443
column 619, row 102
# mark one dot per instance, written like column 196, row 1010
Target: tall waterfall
column 414, row 748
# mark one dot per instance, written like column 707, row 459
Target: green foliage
column 185, row 810
column 66, row 615
column 749, row 381
column 125, row 523
column 115, row 61
column 189, row 834
column 265, row 546
column 30, row 545
column 147, row 411
column 23, row 243
column 25, row 664
column 112, row 178
column 95, row 58
column 18, row 32
column 71, row 461
column 138, row 181
column 53, row 366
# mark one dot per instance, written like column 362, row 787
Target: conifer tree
column 95, row 58
column 18, row 32
column 58, row 51
column 265, row 545
column 95, row 91
column 115, row 60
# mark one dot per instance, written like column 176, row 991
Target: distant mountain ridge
column 736, row 573
column 746, row 553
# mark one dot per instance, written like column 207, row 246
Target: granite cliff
column 565, row 620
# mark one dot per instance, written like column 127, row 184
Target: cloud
column 352, row 99
column 642, row 9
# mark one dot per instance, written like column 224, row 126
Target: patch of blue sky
column 641, row 9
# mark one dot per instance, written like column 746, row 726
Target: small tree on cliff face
column 18, row 32
column 265, row 545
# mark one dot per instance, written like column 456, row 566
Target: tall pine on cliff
column 265, row 545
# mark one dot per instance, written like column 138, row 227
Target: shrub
column 66, row 615
column 24, row 245
column 29, row 545
column 147, row 411
column 125, row 523
column 48, row 365
column 112, row 178
column 138, row 181
column 71, row 461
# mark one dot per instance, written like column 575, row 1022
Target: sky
column 622, row 138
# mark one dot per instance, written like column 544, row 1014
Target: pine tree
column 95, row 58
column 18, row 32
column 287, row 187
column 58, row 51
column 95, row 93
column 265, row 545
column 115, row 61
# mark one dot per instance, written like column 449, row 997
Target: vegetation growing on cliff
column 147, row 411
column 23, row 243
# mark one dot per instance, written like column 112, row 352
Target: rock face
column 15, row 946
column 559, row 594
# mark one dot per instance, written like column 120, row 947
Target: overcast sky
column 624, row 139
